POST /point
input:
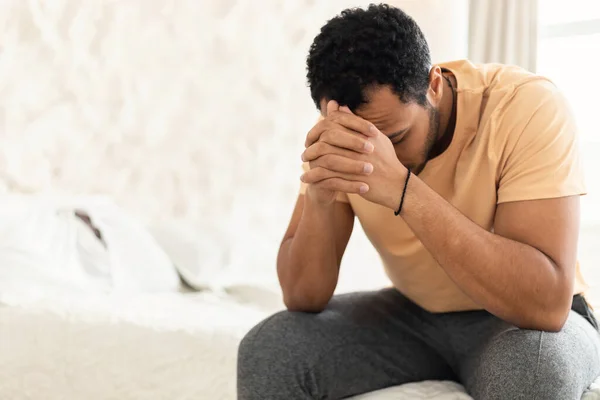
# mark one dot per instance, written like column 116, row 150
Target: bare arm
column 310, row 255
column 523, row 272
column 311, row 252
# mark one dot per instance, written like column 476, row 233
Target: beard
column 433, row 135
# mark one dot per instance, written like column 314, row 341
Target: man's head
column 377, row 62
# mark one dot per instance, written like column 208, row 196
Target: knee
column 273, row 357
column 270, row 345
column 522, row 364
column 264, row 339
column 558, row 371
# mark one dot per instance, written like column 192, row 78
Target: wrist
column 323, row 200
column 396, row 188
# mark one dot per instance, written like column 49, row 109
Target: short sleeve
column 343, row 197
column 538, row 148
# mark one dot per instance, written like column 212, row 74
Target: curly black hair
column 361, row 48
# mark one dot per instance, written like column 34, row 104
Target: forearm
column 308, row 263
column 512, row 280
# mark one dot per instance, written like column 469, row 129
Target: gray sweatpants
column 368, row 341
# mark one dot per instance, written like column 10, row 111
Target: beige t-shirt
column 515, row 139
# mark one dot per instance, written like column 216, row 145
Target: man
column 480, row 163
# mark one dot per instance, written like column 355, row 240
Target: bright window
column 553, row 12
column 569, row 54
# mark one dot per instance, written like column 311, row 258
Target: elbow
column 556, row 314
column 555, row 326
column 305, row 302
column 543, row 323
column 556, row 319
column 548, row 319
column 549, row 309
column 549, row 323
column 302, row 295
column 305, row 307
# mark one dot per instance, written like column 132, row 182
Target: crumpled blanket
column 77, row 244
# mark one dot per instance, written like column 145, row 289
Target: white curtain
column 503, row 31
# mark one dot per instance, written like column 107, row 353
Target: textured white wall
column 183, row 110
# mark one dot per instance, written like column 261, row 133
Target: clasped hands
column 348, row 154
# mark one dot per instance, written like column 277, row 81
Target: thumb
column 332, row 105
column 346, row 110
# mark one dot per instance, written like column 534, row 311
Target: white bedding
column 174, row 346
column 47, row 247
column 159, row 346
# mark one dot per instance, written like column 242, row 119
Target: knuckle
column 332, row 125
column 321, row 126
column 314, row 134
column 306, row 155
column 343, row 139
column 314, row 150
column 326, row 161
column 321, row 147
column 333, row 183
column 332, row 117
column 325, row 184
column 307, row 177
column 336, row 163
column 320, row 173
column 339, row 134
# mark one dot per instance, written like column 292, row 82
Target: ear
column 436, row 86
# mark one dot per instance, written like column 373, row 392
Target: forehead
column 384, row 108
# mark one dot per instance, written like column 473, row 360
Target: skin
column 523, row 272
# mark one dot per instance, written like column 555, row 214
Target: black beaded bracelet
column 396, row 213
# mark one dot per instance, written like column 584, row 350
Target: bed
column 167, row 346
column 137, row 343
column 145, row 346
column 158, row 346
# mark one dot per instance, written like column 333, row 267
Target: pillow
column 45, row 248
column 137, row 261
